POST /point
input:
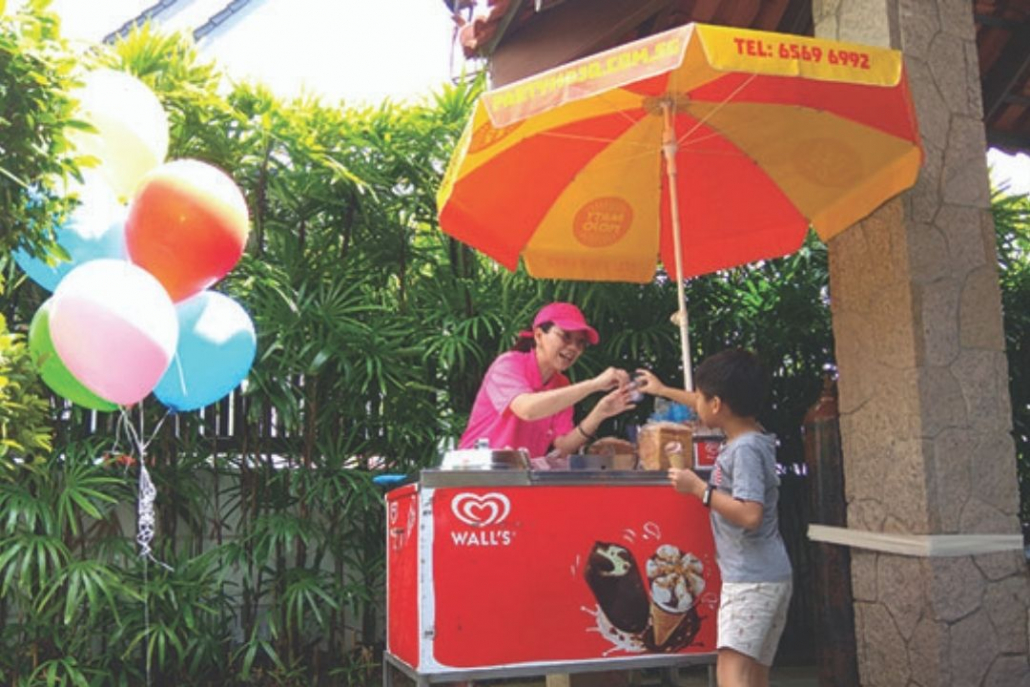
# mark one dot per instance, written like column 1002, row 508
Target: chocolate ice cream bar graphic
column 614, row 578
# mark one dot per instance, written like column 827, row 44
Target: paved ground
column 687, row 677
column 696, row 676
column 780, row 677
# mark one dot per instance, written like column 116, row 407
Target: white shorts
column 752, row 616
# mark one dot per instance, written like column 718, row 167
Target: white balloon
column 132, row 128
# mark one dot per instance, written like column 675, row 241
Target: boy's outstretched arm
column 746, row 514
column 650, row 384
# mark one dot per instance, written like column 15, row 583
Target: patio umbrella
column 707, row 146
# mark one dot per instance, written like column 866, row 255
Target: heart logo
column 481, row 510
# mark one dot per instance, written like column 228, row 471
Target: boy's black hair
column 737, row 377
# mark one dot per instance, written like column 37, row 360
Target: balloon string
column 146, row 620
column 180, row 374
column 133, row 437
column 146, row 516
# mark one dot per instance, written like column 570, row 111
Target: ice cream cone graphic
column 664, row 623
column 676, row 582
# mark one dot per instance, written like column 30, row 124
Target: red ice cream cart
column 502, row 573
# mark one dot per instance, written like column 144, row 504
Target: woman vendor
column 526, row 401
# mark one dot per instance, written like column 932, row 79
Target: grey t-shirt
column 746, row 470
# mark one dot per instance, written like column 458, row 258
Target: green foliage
column 35, row 113
column 24, row 412
column 50, row 586
column 779, row 309
column 1012, row 225
column 374, row 331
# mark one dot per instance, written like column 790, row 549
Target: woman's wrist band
column 588, row 437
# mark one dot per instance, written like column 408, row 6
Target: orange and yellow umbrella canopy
column 773, row 133
column 708, row 146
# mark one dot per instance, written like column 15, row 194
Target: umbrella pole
column 669, row 149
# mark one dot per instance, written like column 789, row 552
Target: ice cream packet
column 539, row 463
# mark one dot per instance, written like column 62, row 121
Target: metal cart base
column 392, row 663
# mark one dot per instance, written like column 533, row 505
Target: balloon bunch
column 130, row 312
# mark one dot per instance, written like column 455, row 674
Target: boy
column 742, row 495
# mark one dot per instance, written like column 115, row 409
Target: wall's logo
column 480, row 511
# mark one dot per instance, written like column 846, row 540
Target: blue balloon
column 216, row 348
column 95, row 229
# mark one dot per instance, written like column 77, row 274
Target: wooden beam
column 741, row 12
column 770, row 14
column 1008, row 141
column 502, row 26
column 797, row 18
column 991, row 21
column 574, row 29
column 1009, row 70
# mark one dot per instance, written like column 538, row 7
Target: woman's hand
column 649, row 383
column 613, row 403
column 611, row 378
column 540, row 404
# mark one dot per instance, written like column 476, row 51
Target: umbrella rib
column 695, row 151
column 593, row 139
column 604, row 97
column 693, row 142
column 599, row 139
column 718, row 107
column 620, row 161
column 650, row 151
column 615, row 162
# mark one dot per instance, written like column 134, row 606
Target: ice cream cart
column 504, row 573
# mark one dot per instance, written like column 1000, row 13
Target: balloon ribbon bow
column 146, row 491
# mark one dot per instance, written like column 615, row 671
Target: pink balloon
column 114, row 327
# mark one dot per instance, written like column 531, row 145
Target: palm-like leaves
column 1012, row 224
column 374, row 332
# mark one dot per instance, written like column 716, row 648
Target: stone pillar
column 925, row 409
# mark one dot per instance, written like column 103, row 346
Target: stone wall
column 925, row 410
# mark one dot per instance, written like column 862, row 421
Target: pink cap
column 567, row 316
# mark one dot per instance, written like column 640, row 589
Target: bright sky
column 355, row 50
column 359, row 50
column 1013, row 170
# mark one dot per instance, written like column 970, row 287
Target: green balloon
column 55, row 375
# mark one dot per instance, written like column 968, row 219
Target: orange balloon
column 187, row 226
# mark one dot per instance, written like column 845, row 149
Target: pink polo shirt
column 512, row 374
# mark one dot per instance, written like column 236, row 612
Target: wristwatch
column 707, row 498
